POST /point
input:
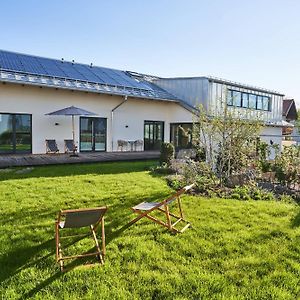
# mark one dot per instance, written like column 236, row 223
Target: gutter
column 112, row 121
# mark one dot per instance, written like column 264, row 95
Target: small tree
column 167, row 153
column 228, row 138
column 264, row 150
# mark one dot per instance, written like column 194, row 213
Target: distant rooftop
column 289, row 109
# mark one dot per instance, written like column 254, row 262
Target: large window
column 181, row 135
column 15, row 133
column 248, row 100
column 92, row 134
column 153, row 135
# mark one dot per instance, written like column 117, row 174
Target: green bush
column 167, row 153
column 287, row 165
column 250, row 192
column 205, row 184
column 287, row 199
column 241, row 193
column 176, row 181
column 163, row 169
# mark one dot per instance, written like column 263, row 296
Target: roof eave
column 88, row 90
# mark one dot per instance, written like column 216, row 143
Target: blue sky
column 254, row 42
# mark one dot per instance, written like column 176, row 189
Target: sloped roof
column 29, row 69
column 289, row 109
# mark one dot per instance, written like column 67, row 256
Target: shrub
column 260, row 194
column 250, row 192
column 176, row 181
column 167, row 153
column 287, row 166
column 287, row 199
column 264, row 151
column 163, row 169
column 241, row 193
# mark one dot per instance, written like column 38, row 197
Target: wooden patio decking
column 56, row 159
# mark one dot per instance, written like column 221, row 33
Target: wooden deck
column 56, row 159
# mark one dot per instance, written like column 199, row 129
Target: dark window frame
column 230, row 93
column 87, row 151
column 180, row 123
column 14, row 150
column 163, row 131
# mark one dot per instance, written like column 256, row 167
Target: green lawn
column 235, row 250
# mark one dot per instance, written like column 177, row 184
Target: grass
column 235, row 250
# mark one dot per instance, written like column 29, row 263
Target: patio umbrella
column 72, row 111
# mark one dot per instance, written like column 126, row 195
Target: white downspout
column 112, row 121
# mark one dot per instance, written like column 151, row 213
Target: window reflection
column 259, row 102
column 248, row 100
column 252, row 101
column 15, row 133
column 181, row 135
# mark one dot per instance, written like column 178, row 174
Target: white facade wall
column 128, row 121
column 274, row 134
column 39, row 101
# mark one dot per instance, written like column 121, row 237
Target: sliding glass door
column 15, row 133
column 153, row 135
column 92, row 134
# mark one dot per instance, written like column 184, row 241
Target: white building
column 127, row 105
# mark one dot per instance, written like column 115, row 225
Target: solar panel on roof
column 50, row 67
column 104, row 76
column 31, row 65
column 110, row 73
column 127, row 78
column 123, row 82
column 69, row 70
column 10, row 61
column 86, row 71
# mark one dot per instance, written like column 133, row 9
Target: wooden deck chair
column 78, row 218
column 145, row 208
column 70, row 147
column 51, row 146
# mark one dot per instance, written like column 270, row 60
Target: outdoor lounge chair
column 51, row 146
column 70, row 147
column 78, row 218
column 145, row 208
